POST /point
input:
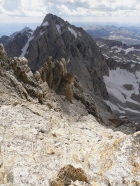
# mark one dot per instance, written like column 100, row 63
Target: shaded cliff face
column 57, row 38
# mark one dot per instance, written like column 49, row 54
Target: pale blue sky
column 25, row 11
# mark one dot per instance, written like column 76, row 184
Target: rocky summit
column 52, row 133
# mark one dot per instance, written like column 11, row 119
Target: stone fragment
column 67, row 174
column 51, row 151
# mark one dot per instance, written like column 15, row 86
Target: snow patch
column 114, row 47
column 72, row 32
column 106, row 56
column 116, row 81
column 132, row 65
column 68, row 60
column 118, row 58
column 129, row 50
column 128, row 109
column 137, row 75
column 121, row 37
column 101, row 46
column 58, row 28
column 118, row 50
column 24, row 50
column 41, row 33
column 45, row 23
column 114, row 107
column 125, row 50
column 129, row 61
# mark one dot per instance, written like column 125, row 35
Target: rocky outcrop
column 3, row 55
column 36, row 84
column 55, row 74
column 31, row 82
column 20, row 76
column 64, row 83
column 58, row 73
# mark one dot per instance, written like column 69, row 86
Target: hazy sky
column 24, row 11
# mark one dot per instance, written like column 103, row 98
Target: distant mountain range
column 127, row 35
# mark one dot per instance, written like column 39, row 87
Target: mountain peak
column 52, row 18
column 24, row 30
